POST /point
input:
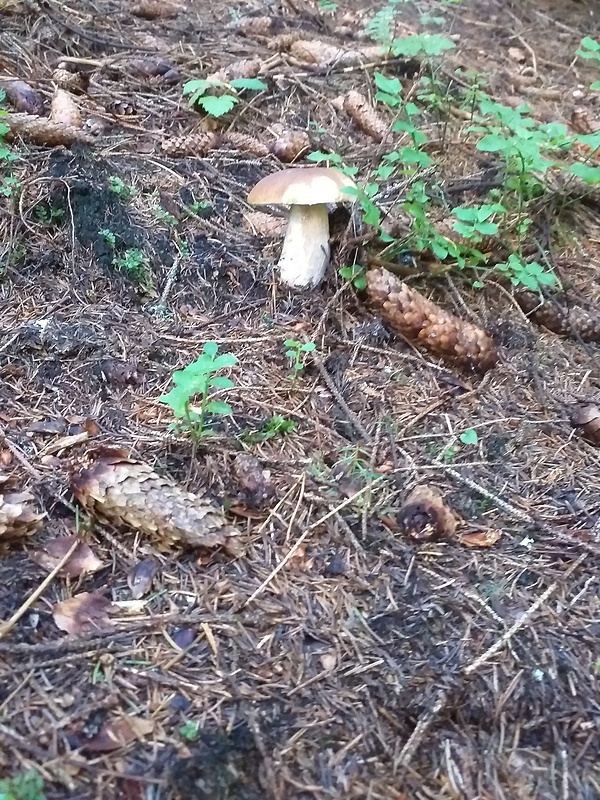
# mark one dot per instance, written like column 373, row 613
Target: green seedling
column 120, row 188
column 356, row 275
column 469, row 436
column 134, row 266
column 530, row 275
column 26, row 786
column 296, row 353
column 475, row 223
column 276, row 426
column 217, row 98
column 189, row 731
column 590, row 50
column 331, row 159
column 200, row 379
column 108, row 237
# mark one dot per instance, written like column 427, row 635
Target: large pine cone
column 554, row 314
column 43, row 131
column 124, row 491
column 18, row 516
column 420, row 320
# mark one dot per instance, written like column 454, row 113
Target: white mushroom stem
column 306, row 251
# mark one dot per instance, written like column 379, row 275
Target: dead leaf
column 113, row 735
column 50, row 426
column 83, row 613
column 83, row 559
column 141, row 577
column 424, row 515
column 484, row 538
column 18, row 516
column 65, row 442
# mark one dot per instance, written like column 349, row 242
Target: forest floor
column 337, row 656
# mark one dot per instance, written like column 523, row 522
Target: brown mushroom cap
column 308, row 186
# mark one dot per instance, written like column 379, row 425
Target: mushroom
column 307, row 191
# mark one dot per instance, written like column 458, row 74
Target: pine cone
column 417, row 318
column 71, row 81
column 558, row 318
column 248, row 144
column 128, row 492
column 246, row 68
column 42, row 131
column 362, row 113
column 155, row 9
column 193, row 144
column 290, row 144
column 424, row 515
column 17, row 515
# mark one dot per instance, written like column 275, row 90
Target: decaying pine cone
column 128, row 492
column 192, row 144
column 362, row 113
column 284, row 41
column 155, row 9
column 587, row 419
column 552, row 314
column 248, row 144
column 290, row 144
column 18, row 516
column 322, row 54
column 71, row 81
column 64, row 109
column 419, row 319
column 24, row 98
column 424, row 515
column 42, row 131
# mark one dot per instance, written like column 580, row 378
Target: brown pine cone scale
column 420, row 320
column 131, row 493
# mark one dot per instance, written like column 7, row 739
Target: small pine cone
column 70, row 81
column 424, row 515
column 155, row 9
column 313, row 51
column 284, row 41
column 290, row 144
column 551, row 314
column 260, row 26
column 18, row 516
column 194, row 144
column 42, row 131
column 422, row 321
column 246, row 68
column 248, row 144
column 362, row 113
column 128, row 492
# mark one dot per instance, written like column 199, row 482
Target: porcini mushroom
column 307, row 191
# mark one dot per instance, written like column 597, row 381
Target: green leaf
column 211, row 349
column 411, row 155
column 388, row 85
column 466, row 230
column 224, row 360
column 587, row 173
column 189, row 731
column 487, row 228
column 178, row 399
column 308, row 347
column 411, row 109
column 217, row 106
column 318, row 157
column 466, row 214
column 199, row 87
column 218, row 407
column 291, row 343
column 388, row 99
column 253, row 84
column 430, row 44
column 589, row 48
column 591, row 140
column 221, row 382
column 492, row 143
column 469, row 436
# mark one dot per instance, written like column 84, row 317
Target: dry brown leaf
column 64, row 110
column 480, row 538
column 113, row 735
column 128, row 492
column 362, row 113
column 82, row 560
column 141, row 577
column 22, row 96
column 424, row 515
column 422, row 321
column 587, row 419
column 18, row 516
column 83, row 613
column 42, row 131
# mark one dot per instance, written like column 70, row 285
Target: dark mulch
column 335, row 658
